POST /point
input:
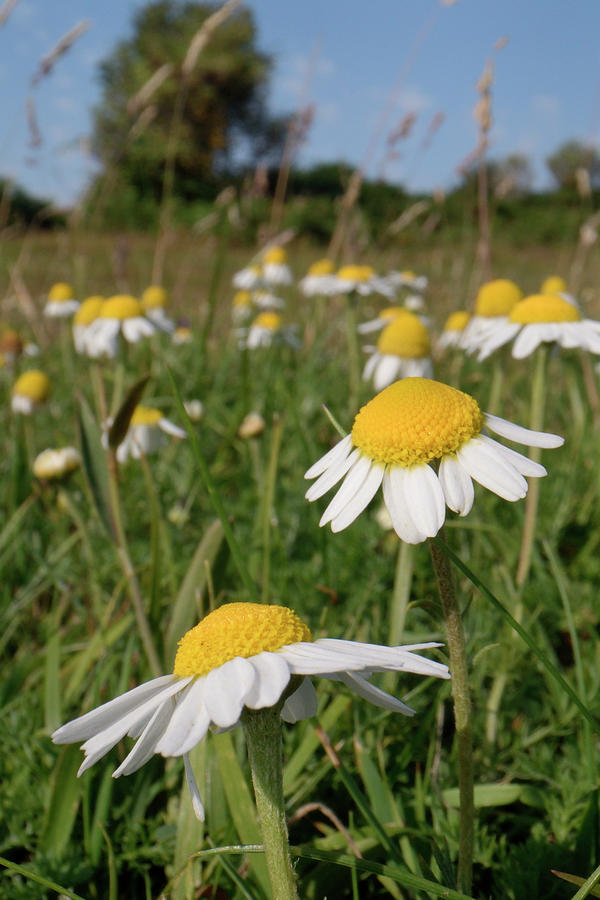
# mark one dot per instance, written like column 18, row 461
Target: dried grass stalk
column 141, row 98
column 47, row 62
column 35, row 137
column 6, row 9
column 203, row 34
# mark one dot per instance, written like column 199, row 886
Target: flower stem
column 262, row 728
column 461, row 695
column 401, row 595
column 353, row 357
column 538, row 393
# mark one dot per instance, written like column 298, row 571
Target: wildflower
column 51, row 464
column 275, row 269
column 385, row 317
column 267, row 300
column 396, row 436
column 146, row 433
column 454, row 327
column 252, row 425
column 241, row 306
column 493, row 303
column 121, row 314
column 86, row 314
column 319, row 279
column 403, row 350
column 248, row 279
column 154, row 300
column 61, row 301
column 543, row 318
column 30, row 390
column 266, row 329
column 182, row 334
column 241, row 655
column 408, row 279
column 360, row 280
column 554, row 284
column 194, row 409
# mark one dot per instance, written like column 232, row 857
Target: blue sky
column 363, row 63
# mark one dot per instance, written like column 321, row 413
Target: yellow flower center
column 269, row 320
column 321, row 267
column 237, row 629
column 405, row 336
column 34, row 385
column 356, row 273
column 553, row 285
column 242, row 298
column 89, row 311
column 275, row 255
column 154, row 297
column 544, row 308
column 146, row 415
column 121, row 306
column 414, row 421
column 457, row 321
column 60, row 292
column 497, row 298
column 390, row 312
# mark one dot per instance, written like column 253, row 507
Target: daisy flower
column 86, row 314
column 61, row 301
column 408, row 279
column 194, row 408
column 241, row 306
column 319, row 279
column 454, row 326
column 51, row 463
column 30, row 390
column 266, row 329
column 146, row 433
column 251, row 426
column 554, row 284
column 183, row 334
column 241, row 655
column 154, row 301
column 395, row 438
column 275, row 269
column 267, row 300
column 543, row 318
column 248, row 279
column 493, row 303
column 385, row 317
column 403, row 350
column 119, row 315
column 360, row 280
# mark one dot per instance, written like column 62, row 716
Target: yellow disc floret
column 321, row 267
column 268, row 320
column 414, row 421
column 497, row 298
column 544, row 308
column 242, row 298
column 155, row 297
column 89, row 311
column 457, row 321
column 146, row 415
column 390, row 312
column 405, row 336
column 275, row 255
column 554, row 284
column 60, row 292
column 356, row 273
column 34, row 384
column 237, row 629
column 121, row 306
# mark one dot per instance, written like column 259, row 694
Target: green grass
column 69, row 639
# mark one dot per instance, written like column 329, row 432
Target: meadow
column 219, row 516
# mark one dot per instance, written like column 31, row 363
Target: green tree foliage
column 571, row 157
column 203, row 120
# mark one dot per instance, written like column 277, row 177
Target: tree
column 203, row 118
column 573, row 157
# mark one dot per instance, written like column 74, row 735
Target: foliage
column 571, row 158
column 19, row 207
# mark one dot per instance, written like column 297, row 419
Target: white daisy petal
column 170, row 428
column 522, row 464
column 272, row 677
column 457, row 485
column 425, row 499
column 226, row 689
column 360, row 500
column 522, row 435
column 374, row 694
column 302, row 704
column 339, row 450
column 386, row 371
column 145, row 746
column 333, row 474
column 370, row 366
column 192, row 784
column 351, row 484
column 527, row 341
column 395, row 500
column 190, row 717
column 489, row 469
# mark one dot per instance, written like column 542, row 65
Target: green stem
column 461, row 695
column 538, row 393
column 353, row 357
column 262, row 728
column 497, row 384
column 269, row 494
column 401, row 594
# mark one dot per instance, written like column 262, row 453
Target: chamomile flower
column 275, row 269
column 241, row 655
column 251, row 426
column 183, row 334
column 266, row 329
column 52, row 463
column 248, row 279
column 267, row 300
column 87, row 313
column 454, row 327
column 554, row 284
column 154, row 302
column 194, row 408
column 385, row 317
column 493, row 303
column 403, row 350
column 408, row 279
column 543, row 318
column 395, row 438
column 362, row 280
column 241, row 306
column 146, row 433
column 61, row 301
column 119, row 315
column 319, row 279
column 30, row 390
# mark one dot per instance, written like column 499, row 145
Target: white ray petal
column 351, row 484
column 302, row 704
column 361, row 498
column 339, row 450
column 520, row 435
column 170, row 428
column 425, row 499
column 370, row 365
column 189, row 717
column 457, row 485
column 397, row 506
column 527, row 341
column 373, row 694
column 145, row 746
column 330, row 477
column 386, row 371
column 272, row 677
column 357, row 656
column 489, row 469
column 522, row 464
column 226, row 689
column 192, row 784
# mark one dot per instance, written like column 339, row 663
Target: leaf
column 576, row 879
column 64, row 803
column 185, row 609
column 52, row 708
column 94, row 463
column 120, row 425
column 39, row 879
column 497, row 795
